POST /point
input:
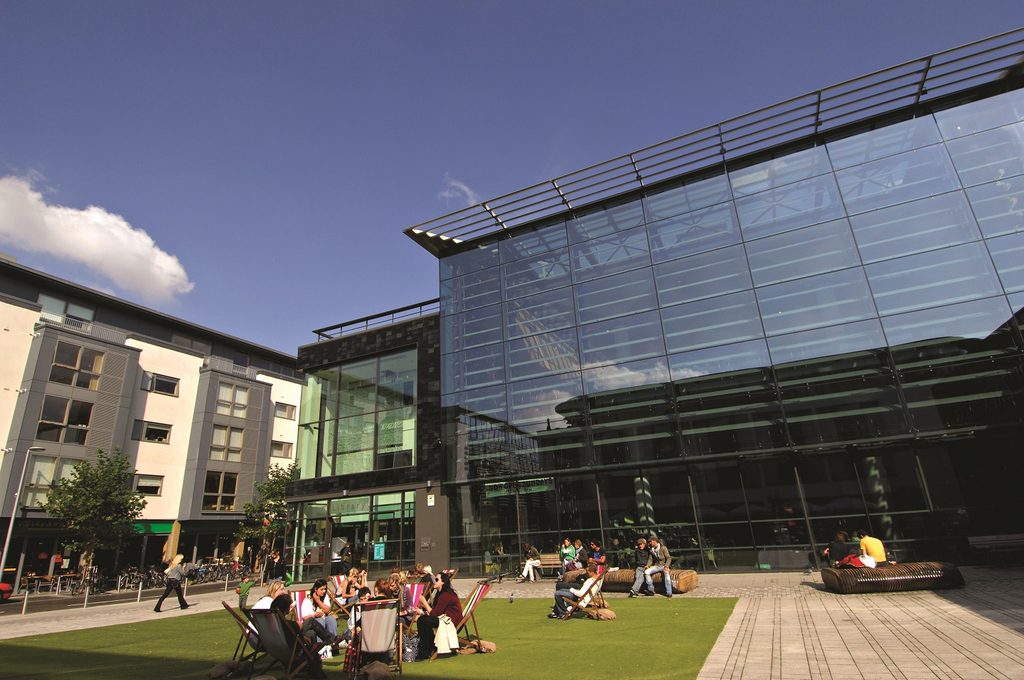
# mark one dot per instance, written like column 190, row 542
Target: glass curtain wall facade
column 749, row 360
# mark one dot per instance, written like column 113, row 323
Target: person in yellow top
column 872, row 547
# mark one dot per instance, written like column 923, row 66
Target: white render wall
column 283, row 429
column 16, row 334
column 166, row 460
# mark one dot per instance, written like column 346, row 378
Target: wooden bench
column 891, row 578
column 552, row 561
column 621, row 580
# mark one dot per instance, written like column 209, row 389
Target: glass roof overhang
column 939, row 76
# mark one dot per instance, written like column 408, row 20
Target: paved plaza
column 785, row 626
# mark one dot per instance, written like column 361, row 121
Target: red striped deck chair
column 338, row 605
column 298, row 597
column 413, row 592
column 469, row 615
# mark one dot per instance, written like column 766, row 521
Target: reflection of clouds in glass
column 626, row 375
column 685, row 372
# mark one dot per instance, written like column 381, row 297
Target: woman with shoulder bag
column 175, row 572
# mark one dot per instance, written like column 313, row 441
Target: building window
column 227, row 443
column 219, row 494
column 57, row 309
column 232, row 400
column 281, row 449
column 77, row 366
column 64, row 420
column 144, row 431
column 191, row 343
column 161, row 384
column 286, row 411
column 149, row 485
column 43, row 474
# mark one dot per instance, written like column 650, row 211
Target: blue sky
column 250, row 166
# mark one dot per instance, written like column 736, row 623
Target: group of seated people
column 321, row 608
column 869, row 552
column 572, row 556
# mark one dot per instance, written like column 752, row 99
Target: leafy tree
column 266, row 516
column 97, row 503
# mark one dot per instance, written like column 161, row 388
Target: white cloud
column 455, row 189
column 102, row 241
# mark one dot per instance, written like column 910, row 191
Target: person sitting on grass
column 446, row 604
column 572, row 594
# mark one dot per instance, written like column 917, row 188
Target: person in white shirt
column 574, row 594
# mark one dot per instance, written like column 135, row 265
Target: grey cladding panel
column 101, row 426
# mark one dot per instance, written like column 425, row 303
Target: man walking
column 660, row 561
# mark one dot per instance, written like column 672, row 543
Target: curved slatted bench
column 893, row 578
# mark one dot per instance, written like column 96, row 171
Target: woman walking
column 175, row 572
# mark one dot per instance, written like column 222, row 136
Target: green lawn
column 671, row 638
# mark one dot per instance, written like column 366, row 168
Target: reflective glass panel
column 475, row 259
column 823, row 342
column 913, row 227
column 779, row 171
column 478, row 289
column 358, row 393
column 545, row 238
column 617, row 295
column 988, row 156
column 815, row 301
column 397, row 383
column 610, row 255
column 999, row 206
column 543, row 354
column 487, row 404
column 470, row 329
column 977, row 319
column 539, row 313
column 536, row 274
column 1008, row 255
column 722, row 359
column 473, row 368
column 700, row 276
column 601, row 221
column 623, row 339
column 789, row 207
column 687, row 198
column 904, row 177
column 714, row 321
column 883, row 142
column 693, row 232
column 981, row 115
column 624, row 376
column 804, row 252
column 545, row 399
column 935, row 278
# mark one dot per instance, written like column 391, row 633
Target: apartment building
column 201, row 415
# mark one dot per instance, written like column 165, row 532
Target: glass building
column 807, row 321
column 802, row 320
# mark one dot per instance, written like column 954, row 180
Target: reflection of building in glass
column 746, row 338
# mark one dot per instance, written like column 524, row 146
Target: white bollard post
column 24, row 601
column 85, row 602
column 184, row 589
column 226, row 577
column 139, row 598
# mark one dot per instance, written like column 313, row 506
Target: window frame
column 150, row 380
column 64, row 425
column 76, row 371
column 227, row 446
column 287, row 447
column 137, row 483
column 140, row 428
column 232, row 407
column 219, row 494
column 289, row 409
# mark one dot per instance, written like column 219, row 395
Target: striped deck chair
column 413, row 593
column 380, row 632
column 249, row 639
column 591, row 601
column 469, row 615
column 283, row 643
column 298, row 597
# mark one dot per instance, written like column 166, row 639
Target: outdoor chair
column 338, row 604
column 380, row 633
column 469, row 615
column 249, row 639
column 591, row 601
column 298, row 597
column 283, row 642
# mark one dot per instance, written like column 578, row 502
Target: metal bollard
column 184, row 589
column 139, row 598
column 85, row 602
column 24, row 602
column 226, row 577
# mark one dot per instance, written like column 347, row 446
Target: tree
column 266, row 516
column 97, row 503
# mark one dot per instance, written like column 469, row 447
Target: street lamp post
column 14, row 508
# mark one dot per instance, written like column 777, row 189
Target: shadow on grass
column 673, row 637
